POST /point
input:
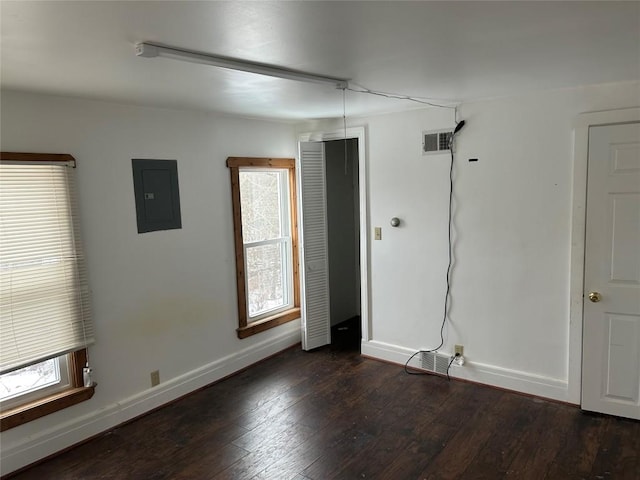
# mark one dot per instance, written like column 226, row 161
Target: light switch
column 378, row 233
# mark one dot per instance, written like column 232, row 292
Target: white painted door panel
column 611, row 331
column 316, row 323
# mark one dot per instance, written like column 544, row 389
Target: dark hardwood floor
column 333, row 414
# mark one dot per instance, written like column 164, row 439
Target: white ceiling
column 448, row 51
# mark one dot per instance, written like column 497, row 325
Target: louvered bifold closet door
column 316, row 330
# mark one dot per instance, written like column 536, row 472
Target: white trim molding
column 59, row 437
column 518, row 381
column 578, row 229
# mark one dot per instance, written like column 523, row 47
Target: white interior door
column 314, row 254
column 611, row 331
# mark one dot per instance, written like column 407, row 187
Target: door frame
column 578, row 234
column 359, row 134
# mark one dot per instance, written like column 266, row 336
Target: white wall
column 512, row 224
column 166, row 300
column 161, row 300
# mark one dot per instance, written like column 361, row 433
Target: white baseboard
column 515, row 380
column 61, row 436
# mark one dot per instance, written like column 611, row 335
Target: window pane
column 261, row 200
column 266, row 286
column 29, row 379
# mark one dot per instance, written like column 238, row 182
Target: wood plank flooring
column 331, row 414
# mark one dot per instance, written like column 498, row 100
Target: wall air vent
column 435, row 362
column 436, row 141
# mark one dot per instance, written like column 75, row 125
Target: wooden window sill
column 268, row 322
column 39, row 408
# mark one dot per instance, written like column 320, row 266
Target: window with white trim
column 263, row 193
column 45, row 318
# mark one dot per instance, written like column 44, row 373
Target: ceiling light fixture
column 152, row 50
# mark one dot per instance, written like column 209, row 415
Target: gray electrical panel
column 155, row 184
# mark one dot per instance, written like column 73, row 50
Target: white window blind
column 44, row 296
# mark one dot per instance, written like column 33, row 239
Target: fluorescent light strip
column 151, row 50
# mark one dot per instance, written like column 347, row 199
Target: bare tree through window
column 265, row 232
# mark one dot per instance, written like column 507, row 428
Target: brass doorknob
column 595, row 297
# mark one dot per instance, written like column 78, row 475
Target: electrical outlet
column 378, row 233
column 459, row 350
column 155, row 378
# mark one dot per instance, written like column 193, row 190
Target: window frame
column 76, row 392
column 247, row 327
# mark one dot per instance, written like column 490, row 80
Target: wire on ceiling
column 344, row 125
column 423, row 101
